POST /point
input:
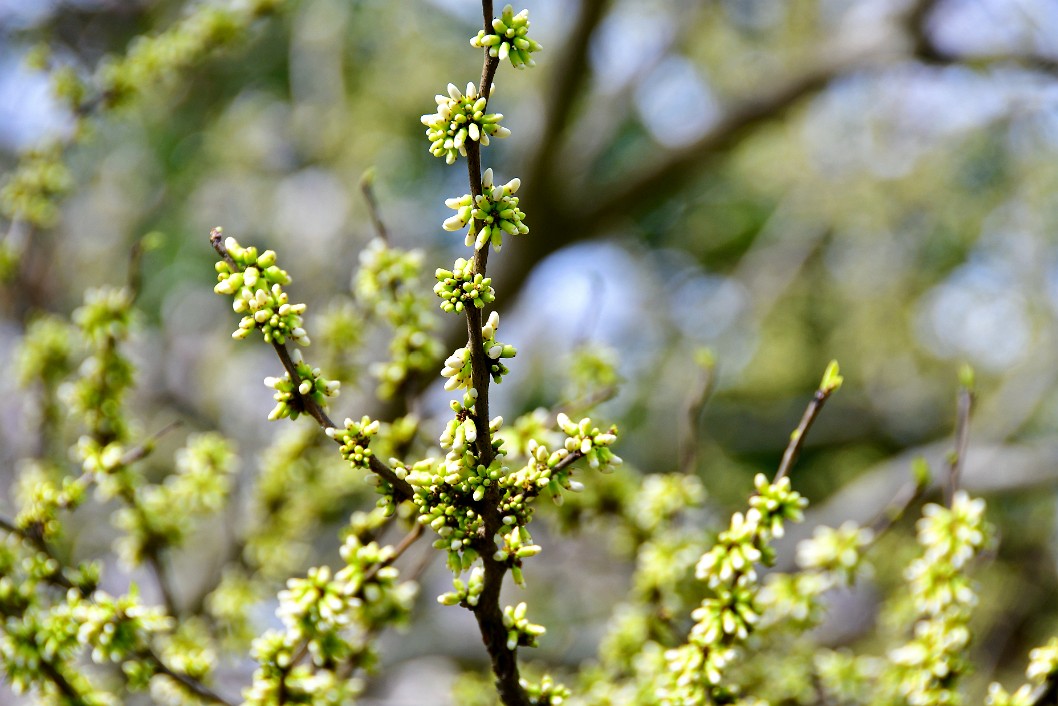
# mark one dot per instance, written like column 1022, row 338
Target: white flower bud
column 453, row 223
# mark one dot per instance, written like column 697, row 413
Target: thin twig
column 487, row 612
column 797, row 438
column 896, row 508
column 584, row 402
column 144, row 448
column 304, row 403
column 56, row 677
column 367, row 184
column 695, row 405
column 193, row 685
column 962, row 439
column 135, row 276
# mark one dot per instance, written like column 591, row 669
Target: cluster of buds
column 495, row 351
column 458, row 370
column 725, row 619
column 509, row 40
column 311, row 385
column 354, row 440
column 256, row 284
column 589, row 442
column 927, row 667
column 495, row 210
column 460, row 118
column 544, row 472
column 466, row 592
column 444, row 495
column 519, row 630
column 462, row 286
column 458, row 367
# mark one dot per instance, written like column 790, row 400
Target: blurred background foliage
column 781, row 182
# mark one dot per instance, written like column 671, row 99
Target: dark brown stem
column 165, row 585
column 304, row 403
column 797, row 438
column 216, row 239
column 144, row 449
column 487, row 612
column 193, row 685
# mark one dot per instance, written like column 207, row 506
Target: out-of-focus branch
column 1025, row 466
column 571, row 75
column 962, row 440
column 917, row 24
column 675, row 168
column 926, row 49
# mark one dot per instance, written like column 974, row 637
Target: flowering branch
column 85, row 588
column 304, row 389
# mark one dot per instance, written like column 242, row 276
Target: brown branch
column 54, row 674
column 487, row 612
column 797, row 438
column 305, row 403
column 145, row 448
column 917, row 25
column 193, row 685
column 896, row 508
column 570, row 74
column 367, row 184
column 676, row 168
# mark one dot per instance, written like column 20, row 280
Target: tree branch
column 401, row 488
column 570, row 74
column 962, row 439
column 59, row 580
column 676, row 168
column 797, row 438
column 487, row 612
